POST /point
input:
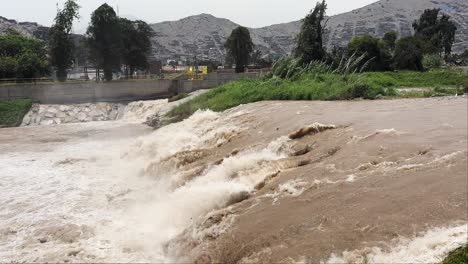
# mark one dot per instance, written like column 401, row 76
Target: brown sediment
column 387, row 170
column 407, row 176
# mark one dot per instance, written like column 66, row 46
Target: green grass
column 448, row 78
column 13, row 111
column 324, row 87
column 458, row 256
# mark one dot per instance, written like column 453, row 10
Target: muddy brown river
column 284, row 182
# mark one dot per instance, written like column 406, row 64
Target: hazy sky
column 251, row 13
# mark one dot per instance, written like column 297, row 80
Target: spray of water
column 430, row 247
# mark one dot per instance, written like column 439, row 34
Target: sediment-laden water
column 246, row 185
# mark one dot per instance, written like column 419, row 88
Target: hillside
column 204, row 35
column 31, row 29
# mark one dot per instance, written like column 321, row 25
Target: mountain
column 204, row 35
column 398, row 15
column 30, row 29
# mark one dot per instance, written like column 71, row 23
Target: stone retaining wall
column 58, row 114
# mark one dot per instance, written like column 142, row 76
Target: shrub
column 374, row 50
column 408, row 55
column 432, row 61
column 364, row 91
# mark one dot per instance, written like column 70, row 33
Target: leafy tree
column 310, row 39
column 136, row 40
column 104, row 39
column 22, row 57
column 408, row 54
column 239, row 45
column 389, row 40
column 60, row 43
column 436, row 33
column 377, row 57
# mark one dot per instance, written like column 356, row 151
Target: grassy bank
column 458, row 256
column 13, row 111
column 325, row 87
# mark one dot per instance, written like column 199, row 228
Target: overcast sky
column 251, row 13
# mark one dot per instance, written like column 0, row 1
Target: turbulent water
column 119, row 192
column 116, row 200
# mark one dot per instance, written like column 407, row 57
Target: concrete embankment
column 115, row 91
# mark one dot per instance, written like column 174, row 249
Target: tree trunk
column 61, row 75
column 108, row 73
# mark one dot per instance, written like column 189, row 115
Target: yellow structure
column 197, row 74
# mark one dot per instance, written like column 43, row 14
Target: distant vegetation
column 61, row 47
column 325, row 86
column 114, row 41
column 364, row 69
column 111, row 43
column 239, row 47
column 22, row 57
column 13, row 111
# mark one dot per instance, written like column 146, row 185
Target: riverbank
column 328, row 87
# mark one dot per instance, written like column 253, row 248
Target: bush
column 365, row 91
column 408, row 55
column 432, row 61
column 374, row 49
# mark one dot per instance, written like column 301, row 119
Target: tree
column 389, row 40
column 22, row 57
column 104, row 39
column 376, row 56
column 408, row 54
column 60, row 43
column 239, row 45
column 136, row 40
column 310, row 39
column 436, row 33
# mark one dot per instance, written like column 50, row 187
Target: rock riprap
column 59, row 114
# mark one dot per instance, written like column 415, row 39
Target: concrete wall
column 118, row 91
column 87, row 92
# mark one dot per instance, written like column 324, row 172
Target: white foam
column 95, row 183
column 430, row 247
column 139, row 111
column 351, row 178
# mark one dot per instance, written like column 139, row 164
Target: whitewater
column 119, row 191
column 110, row 199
